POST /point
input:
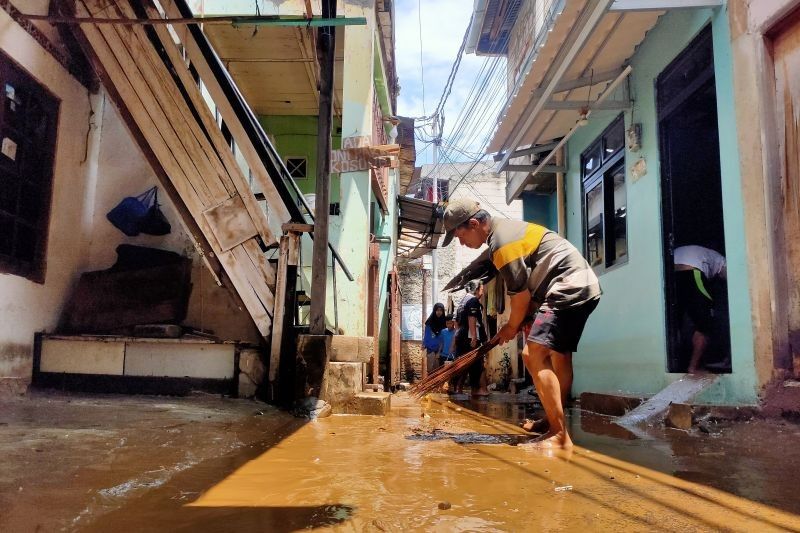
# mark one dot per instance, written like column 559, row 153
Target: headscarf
column 436, row 323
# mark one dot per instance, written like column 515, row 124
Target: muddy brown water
column 442, row 466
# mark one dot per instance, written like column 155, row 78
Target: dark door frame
column 669, row 100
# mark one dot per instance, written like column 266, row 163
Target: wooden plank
column 294, row 248
column 228, row 169
column 326, row 38
column 151, row 105
column 259, row 259
column 202, row 245
column 280, row 310
column 297, row 227
column 241, row 138
column 194, row 199
column 175, row 170
column 254, row 271
column 246, row 292
column 230, row 223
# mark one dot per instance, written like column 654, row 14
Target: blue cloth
column 446, row 341
column 430, row 340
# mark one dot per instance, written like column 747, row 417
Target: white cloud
column 443, row 25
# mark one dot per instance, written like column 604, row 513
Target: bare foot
column 535, row 426
column 551, row 441
column 481, row 393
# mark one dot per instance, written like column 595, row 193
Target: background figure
column 695, row 266
column 471, row 334
column 448, row 337
column 432, row 342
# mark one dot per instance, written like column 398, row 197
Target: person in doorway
column 471, row 334
column 695, row 266
column 539, row 267
column 447, row 335
column 431, row 340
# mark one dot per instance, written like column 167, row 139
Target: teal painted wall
column 627, row 330
column 540, row 209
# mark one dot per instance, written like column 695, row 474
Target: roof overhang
column 579, row 67
column 419, row 227
column 491, row 26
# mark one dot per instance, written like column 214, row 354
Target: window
column 297, row 167
column 604, row 199
column 28, row 116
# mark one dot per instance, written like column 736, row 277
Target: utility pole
column 326, row 46
column 437, row 140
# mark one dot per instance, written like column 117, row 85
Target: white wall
column 92, row 173
column 25, row 306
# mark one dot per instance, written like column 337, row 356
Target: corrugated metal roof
column 419, row 227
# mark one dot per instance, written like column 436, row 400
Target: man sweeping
column 546, row 273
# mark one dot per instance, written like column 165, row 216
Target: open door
column 691, row 193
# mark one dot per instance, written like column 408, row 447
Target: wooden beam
column 661, row 5
column 608, row 105
column 526, row 151
column 280, row 311
column 548, row 169
column 297, row 227
column 326, row 42
column 585, row 81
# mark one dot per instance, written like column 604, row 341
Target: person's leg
column 563, row 369
column 540, row 366
column 699, row 343
column 533, row 425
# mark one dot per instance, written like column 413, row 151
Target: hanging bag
column 129, row 213
column 154, row 221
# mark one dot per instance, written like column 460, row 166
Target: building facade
column 641, row 135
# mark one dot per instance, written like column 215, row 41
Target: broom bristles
column 442, row 375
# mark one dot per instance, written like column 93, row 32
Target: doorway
column 692, row 196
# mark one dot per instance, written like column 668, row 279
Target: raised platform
column 132, row 365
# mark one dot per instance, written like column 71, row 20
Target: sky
column 443, row 23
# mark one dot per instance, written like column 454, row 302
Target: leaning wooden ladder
column 146, row 73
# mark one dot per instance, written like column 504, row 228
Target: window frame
column 43, row 149
column 603, row 176
column 305, row 162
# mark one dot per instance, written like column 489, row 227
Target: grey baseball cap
column 456, row 213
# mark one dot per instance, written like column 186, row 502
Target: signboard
column 357, row 154
column 413, row 325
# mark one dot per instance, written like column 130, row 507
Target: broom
column 442, row 375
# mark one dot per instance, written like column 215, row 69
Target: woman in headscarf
column 432, row 341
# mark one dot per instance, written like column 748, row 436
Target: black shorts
column 561, row 330
column 694, row 299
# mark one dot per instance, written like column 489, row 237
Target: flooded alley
column 204, row 465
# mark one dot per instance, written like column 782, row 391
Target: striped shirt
column 531, row 257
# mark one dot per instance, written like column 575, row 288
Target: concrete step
column 367, row 403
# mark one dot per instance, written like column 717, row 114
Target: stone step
column 367, row 403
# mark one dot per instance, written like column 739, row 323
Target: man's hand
column 506, row 333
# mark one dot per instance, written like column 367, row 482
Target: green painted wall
column 627, row 330
column 296, row 136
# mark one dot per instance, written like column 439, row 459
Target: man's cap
column 456, row 213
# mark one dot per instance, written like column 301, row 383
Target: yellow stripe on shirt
column 520, row 248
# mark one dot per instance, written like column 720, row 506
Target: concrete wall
column 627, row 331
column 26, row 307
column 760, row 159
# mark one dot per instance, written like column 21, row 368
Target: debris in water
column 444, row 506
column 563, row 488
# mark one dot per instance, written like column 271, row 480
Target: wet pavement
column 434, row 465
